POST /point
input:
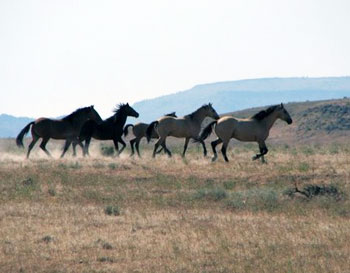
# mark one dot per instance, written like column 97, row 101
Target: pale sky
column 56, row 56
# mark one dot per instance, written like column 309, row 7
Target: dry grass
column 174, row 215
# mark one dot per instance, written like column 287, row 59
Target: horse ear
column 92, row 106
column 282, row 105
column 127, row 104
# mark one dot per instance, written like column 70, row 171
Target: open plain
column 122, row 214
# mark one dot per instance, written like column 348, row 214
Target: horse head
column 211, row 111
column 283, row 114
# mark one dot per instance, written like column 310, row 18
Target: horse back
column 177, row 127
column 53, row 128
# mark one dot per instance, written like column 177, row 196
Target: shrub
column 107, row 150
column 112, row 210
column 215, row 194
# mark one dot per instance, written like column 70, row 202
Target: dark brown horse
column 139, row 131
column 109, row 129
column 66, row 128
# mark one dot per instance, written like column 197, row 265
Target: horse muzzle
column 289, row 121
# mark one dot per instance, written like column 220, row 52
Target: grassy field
column 108, row 214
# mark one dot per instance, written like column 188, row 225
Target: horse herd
column 85, row 123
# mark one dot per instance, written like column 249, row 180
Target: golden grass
column 174, row 215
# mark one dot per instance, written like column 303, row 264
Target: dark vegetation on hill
column 313, row 122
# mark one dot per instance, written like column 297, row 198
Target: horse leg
column 81, row 145
column 166, row 149
column 74, row 145
column 31, row 145
column 43, row 146
column 224, row 149
column 66, row 146
column 263, row 151
column 86, row 147
column 160, row 150
column 132, row 146
column 156, row 145
column 123, row 143
column 137, row 147
column 204, row 148
column 213, row 146
column 115, row 141
column 185, row 147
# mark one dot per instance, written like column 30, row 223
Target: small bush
column 112, row 166
column 75, row 165
column 107, row 150
column 303, row 166
column 52, row 192
column 105, row 259
column 215, row 194
column 112, row 210
column 47, row 239
column 229, row 185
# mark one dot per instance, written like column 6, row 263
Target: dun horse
column 109, row 129
column 186, row 127
column 139, row 131
column 66, row 128
column 254, row 129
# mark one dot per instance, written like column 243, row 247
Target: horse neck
column 270, row 120
column 79, row 120
column 199, row 116
column 120, row 118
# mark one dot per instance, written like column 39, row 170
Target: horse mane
column 264, row 113
column 71, row 116
column 191, row 116
column 117, row 111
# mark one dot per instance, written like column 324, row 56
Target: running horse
column 254, row 129
column 67, row 128
column 186, row 127
column 139, row 131
column 109, row 129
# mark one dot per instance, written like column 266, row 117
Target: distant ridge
column 226, row 97
column 10, row 126
column 236, row 95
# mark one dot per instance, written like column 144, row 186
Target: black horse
column 109, row 129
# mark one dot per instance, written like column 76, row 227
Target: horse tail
column 87, row 130
column 207, row 130
column 25, row 130
column 150, row 129
column 125, row 131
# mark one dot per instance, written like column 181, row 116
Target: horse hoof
column 254, row 158
column 213, row 159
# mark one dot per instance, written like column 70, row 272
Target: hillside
column 313, row 122
column 237, row 95
column 10, row 126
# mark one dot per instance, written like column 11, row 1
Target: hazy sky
column 56, row 56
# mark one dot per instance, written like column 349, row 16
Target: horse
column 186, row 127
column 253, row 129
column 139, row 131
column 109, row 129
column 66, row 128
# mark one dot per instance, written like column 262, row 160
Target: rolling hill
column 237, row 95
column 228, row 97
column 313, row 122
column 10, row 126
